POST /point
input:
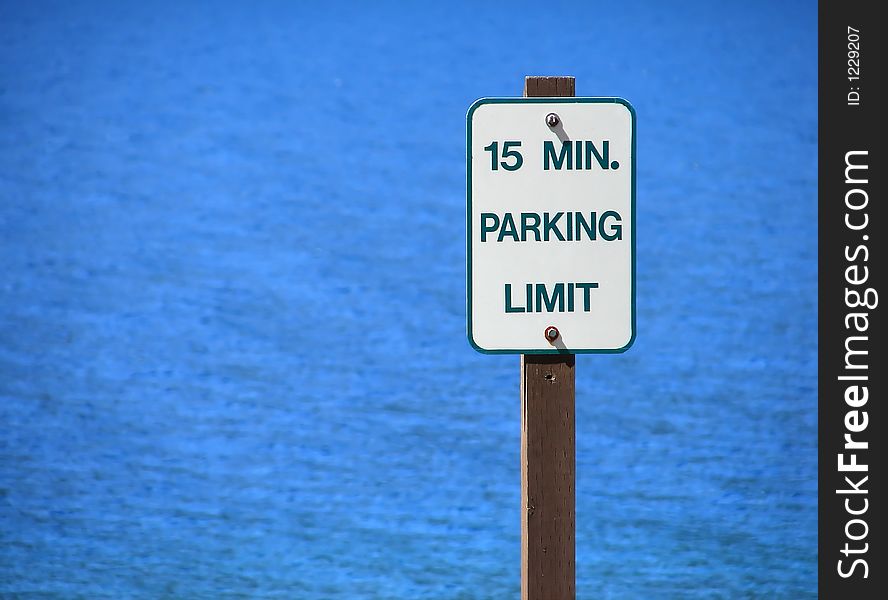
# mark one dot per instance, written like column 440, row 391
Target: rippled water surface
column 232, row 348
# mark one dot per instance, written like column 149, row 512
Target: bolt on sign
column 550, row 221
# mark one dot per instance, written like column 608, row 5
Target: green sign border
column 562, row 100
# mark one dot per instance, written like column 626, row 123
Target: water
column 232, row 348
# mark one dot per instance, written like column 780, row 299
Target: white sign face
column 551, row 225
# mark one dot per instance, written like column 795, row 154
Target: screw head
column 552, row 333
column 552, row 120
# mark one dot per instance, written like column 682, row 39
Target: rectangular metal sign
column 550, row 223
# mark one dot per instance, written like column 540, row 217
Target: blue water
column 232, row 349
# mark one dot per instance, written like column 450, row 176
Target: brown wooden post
column 548, row 451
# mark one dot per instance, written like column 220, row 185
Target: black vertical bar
column 852, row 231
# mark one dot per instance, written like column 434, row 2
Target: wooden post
column 548, row 451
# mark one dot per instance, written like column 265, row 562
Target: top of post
column 535, row 87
